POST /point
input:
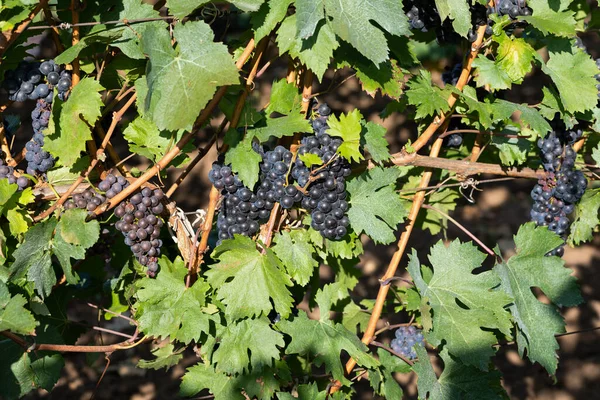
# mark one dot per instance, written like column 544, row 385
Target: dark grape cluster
column 39, row 160
column 139, row 220
column 512, row 8
column 273, row 188
column 8, row 172
column 406, row 337
column 88, row 200
column 450, row 77
column 35, row 80
column 555, row 196
column 326, row 193
column 422, row 14
column 239, row 213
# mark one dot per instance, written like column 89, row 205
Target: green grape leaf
column 586, row 218
column 348, row 128
column 181, row 81
column 164, row 357
column 268, row 16
column 98, row 34
column 596, row 155
column 375, row 142
column 352, row 21
column 247, row 280
column 375, row 208
column 551, row 17
column 483, row 110
column 280, row 127
column 574, row 76
column 458, row 11
column 309, row 391
column 10, row 201
column 250, row 336
column 514, row 56
column 284, row 98
column 513, row 151
column 382, row 379
column 297, row 254
column 353, row 316
column 310, row 159
column 487, row 72
column 244, row 161
column 75, row 230
column 453, row 281
column 536, row 322
column 427, row 98
column 22, row 372
column 325, row 340
column 202, row 376
column 147, row 140
column 529, row 116
column 315, row 51
column 457, row 381
column 14, row 316
column 444, row 200
column 181, row 8
column 67, row 139
column 166, row 308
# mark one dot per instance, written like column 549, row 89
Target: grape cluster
column 139, row 220
column 35, row 80
column 39, row 160
column 555, row 196
column 8, row 172
column 422, row 14
column 450, row 77
column 406, row 337
column 326, row 196
column 512, row 8
column 88, row 200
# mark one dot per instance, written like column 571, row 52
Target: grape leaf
column 514, row 56
column 382, row 379
column 315, row 51
column 147, row 140
column 427, row 98
column 375, row 142
column 483, row 110
column 351, row 21
column 165, row 357
column 242, row 158
column 453, row 282
column 268, row 16
column 166, row 308
column 98, row 34
column 247, row 281
column 280, row 127
column 203, row 376
column 284, row 98
column 22, row 372
column 348, row 128
column 458, row 11
column 309, row 391
column 10, row 201
column 14, row 316
column 181, row 8
column 573, row 75
column 502, row 110
column 551, row 17
column 513, row 151
column 297, row 254
column 457, row 381
column 325, row 340
column 536, row 322
column 310, row 159
column 250, row 336
column 586, row 218
column 181, row 81
column 67, row 139
column 75, row 230
column 375, row 208
column 353, row 316
column 444, row 200
column 487, row 72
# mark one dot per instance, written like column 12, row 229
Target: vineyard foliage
column 259, row 288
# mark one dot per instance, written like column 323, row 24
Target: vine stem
column 235, row 119
column 4, row 145
column 417, row 201
column 75, row 39
column 7, row 42
column 461, row 227
column 174, row 152
column 116, row 118
column 114, row 22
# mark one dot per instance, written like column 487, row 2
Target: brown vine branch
column 4, row 145
column 68, row 25
column 174, row 152
column 417, row 201
column 7, row 41
column 116, row 118
column 75, row 39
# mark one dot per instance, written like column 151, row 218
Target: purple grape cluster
column 326, row 190
column 555, row 196
column 512, row 8
column 139, row 220
column 422, row 14
column 39, row 160
column 274, row 169
column 35, row 80
column 406, row 337
column 8, row 172
column 88, row 200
